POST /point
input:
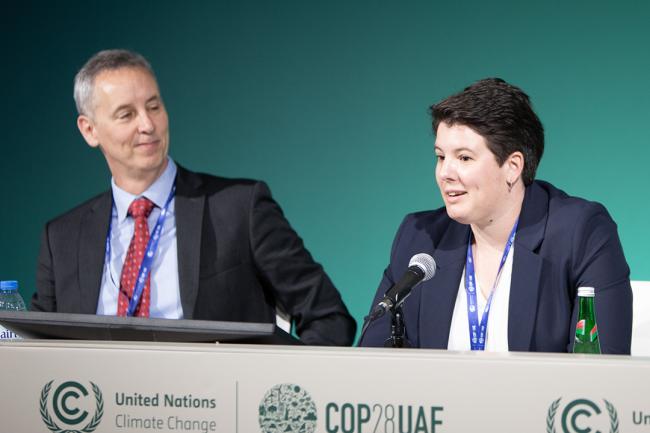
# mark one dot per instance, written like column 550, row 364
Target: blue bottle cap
column 9, row 285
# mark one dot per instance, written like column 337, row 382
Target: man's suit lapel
column 439, row 293
column 527, row 269
column 92, row 252
column 189, row 205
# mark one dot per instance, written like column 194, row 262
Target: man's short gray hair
column 103, row 61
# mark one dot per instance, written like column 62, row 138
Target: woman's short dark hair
column 502, row 114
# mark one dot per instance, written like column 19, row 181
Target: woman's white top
column 497, row 329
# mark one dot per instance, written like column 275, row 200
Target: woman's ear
column 514, row 166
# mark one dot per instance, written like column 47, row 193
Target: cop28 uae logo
column 287, row 408
column 71, row 403
column 582, row 416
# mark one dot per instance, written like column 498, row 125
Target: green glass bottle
column 586, row 340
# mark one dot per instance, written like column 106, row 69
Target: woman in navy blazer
column 530, row 244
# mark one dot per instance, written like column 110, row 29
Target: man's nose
column 145, row 124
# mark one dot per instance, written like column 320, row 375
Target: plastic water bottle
column 10, row 300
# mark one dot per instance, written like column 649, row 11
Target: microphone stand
column 397, row 330
column 422, row 267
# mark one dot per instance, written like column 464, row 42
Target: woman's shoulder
column 425, row 229
column 574, row 225
column 562, row 205
column 429, row 220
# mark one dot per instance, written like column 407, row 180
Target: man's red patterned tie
column 139, row 211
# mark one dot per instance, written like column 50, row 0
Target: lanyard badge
column 149, row 253
column 477, row 332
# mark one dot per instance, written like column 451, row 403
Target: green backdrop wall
column 327, row 101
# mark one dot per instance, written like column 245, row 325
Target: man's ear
column 87, row 128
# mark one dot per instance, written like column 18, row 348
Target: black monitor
column 66, row 326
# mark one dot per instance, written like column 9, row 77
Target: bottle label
column 580, row 327
column 593, row 334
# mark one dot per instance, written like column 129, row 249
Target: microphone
column 422, row 267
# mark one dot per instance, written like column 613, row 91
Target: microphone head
column 425, row 262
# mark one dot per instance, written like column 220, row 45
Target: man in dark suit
column 167, row 242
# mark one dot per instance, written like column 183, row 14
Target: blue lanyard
column 150, row 251
column 477, row 333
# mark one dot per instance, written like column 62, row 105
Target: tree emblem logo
column 287, row 408
column 577, row 416
column 69, row 402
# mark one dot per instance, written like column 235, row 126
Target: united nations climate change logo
column 70, row 403
column 287, row 408
column 582, row 416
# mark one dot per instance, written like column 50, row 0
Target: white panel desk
column 179, row 388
